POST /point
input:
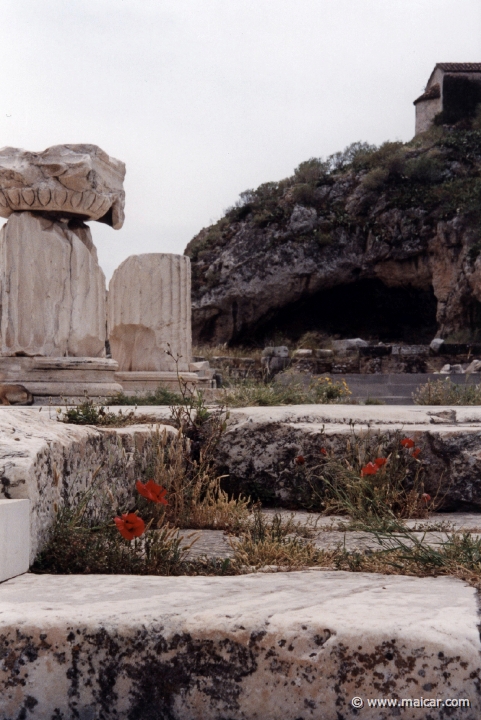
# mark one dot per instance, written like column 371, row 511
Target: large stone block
column 52, row 463
column 149, row 311
column 273, row 646
column 14, row 538
column 258, row 450
column 79, row 180
column 52, row 289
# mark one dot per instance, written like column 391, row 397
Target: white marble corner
column 14, row 538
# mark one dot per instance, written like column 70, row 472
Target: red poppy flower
column 300, row 460
column 416, row 452
column 152, row 491
column 369, row 469
column 426, row 497
column 380, row 462
column 407, row 443
column 324, row 451
column 130, row 526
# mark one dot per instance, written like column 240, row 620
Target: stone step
column 406, row 378
column 444, row 521
column 46, row 461
column 326, row 532
column 275, row 646
column 398, row 400
column 258, row 450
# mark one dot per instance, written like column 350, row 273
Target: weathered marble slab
column 149, row 312
column 256, row 647
column 78, row 180
column 52, row 289
column 14, row 538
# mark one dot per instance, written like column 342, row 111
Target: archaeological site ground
column 244, row 483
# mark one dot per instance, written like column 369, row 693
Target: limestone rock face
column 79, row 180
column 392, row 255
column 52, row 289
column 149, row 309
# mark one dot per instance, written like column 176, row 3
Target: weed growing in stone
column 402, row 552
column 445, row 392
column 161, row 396
column 182, row 489
column 80, row 544
column 185, row 467
column 264, row 543
column 379, row 476
column 91, row 413
column 250, row 393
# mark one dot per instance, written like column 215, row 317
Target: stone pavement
column 326, row 533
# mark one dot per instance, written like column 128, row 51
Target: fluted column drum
column 149, row 311
column 52, row 290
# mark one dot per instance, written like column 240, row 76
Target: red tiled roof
column 430, row 94
column 459, row 67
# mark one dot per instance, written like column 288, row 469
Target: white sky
column 203, row 99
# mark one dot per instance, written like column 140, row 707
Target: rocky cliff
column 373, row 242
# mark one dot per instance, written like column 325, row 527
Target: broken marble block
column 14, row 537
column 149, row 313
column 68, row 180
column 52, row 289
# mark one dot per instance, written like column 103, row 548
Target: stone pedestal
column 62, row 377
column 52, row 290
column 135, row 383
column 149, row 311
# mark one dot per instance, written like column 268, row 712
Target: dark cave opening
column 366, row 308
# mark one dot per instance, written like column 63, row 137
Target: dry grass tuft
column 264, row 542
column 445, row 392
column 249, row 393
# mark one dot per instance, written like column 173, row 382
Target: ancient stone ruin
column 149, row 321
column 52, row 289
column 53, row 299
column 361, row 578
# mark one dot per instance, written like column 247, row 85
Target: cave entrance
column 366, row 309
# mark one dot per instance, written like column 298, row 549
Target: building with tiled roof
column 453, row 89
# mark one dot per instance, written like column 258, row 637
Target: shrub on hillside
column 311, row 171
column 424, row 169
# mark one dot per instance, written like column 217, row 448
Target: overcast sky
column 203, row 99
